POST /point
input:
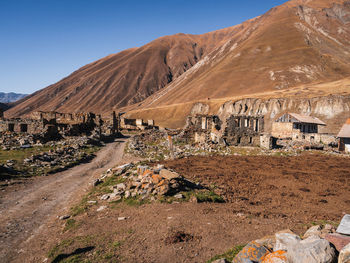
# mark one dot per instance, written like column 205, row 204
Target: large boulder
column 285, row 241
column 251, row 253
column 344, row 255
column 313, row 231
column 344, row 226
column 278, row 256
column 338, row 240
column 169, row 175
column 311, row 250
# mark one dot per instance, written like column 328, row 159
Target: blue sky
column 43, row 41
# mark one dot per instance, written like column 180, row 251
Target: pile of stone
column 13, row 141
column 154, row 145
column 318, row 245
column 60, row 158
column 147, row 183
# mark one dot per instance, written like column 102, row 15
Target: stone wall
column 21, row 125
column 243, row 130
column 136, row 124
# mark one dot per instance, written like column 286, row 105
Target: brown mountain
column 124, row 78
column 302, row 42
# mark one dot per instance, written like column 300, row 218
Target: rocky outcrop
column 333, row 110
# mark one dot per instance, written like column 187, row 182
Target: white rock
column 344, row 226
column 313, row 231
column 179, row 196
column 127, row 194
column 121, row 218
column 344, row 255
column 121, row 187
column 311, row 250
column 101, row 208
column 285, row 240
column 104, row 197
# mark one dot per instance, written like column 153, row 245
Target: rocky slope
column 297, row 43
column 333, row 110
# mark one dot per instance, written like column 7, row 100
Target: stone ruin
column 53, row 125
column 237, row 130
column 136, row 124
column 243, row 130
column 56, row 124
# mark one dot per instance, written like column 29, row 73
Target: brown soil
column 27, row 205
column 265, row 194
column 305, row 187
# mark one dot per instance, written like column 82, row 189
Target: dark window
column 239, row 140
column 250, row 139
column 11, row 127
column 24, row 127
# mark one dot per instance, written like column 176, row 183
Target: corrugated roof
column 345, row 130
column 307, row 119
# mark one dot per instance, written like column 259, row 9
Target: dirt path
column 25, row 211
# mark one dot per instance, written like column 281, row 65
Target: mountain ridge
column 298, row 43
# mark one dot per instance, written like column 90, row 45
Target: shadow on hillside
column 78, row 251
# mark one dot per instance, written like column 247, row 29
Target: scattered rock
column 313, row 231
column 285, row 240
column 179, row 196
column 344, row 226
column 338, row 240
column 97, row 182
column 104, row 197
column 311, row 250
column 121, row 218
column 278, row 256
column 101, row 208
column 253, row 252
column 168, row 174
column 344, row 255
column 64, row 217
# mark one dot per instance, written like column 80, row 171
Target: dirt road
column 24, row 211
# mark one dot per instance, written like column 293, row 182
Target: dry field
column 264, row 194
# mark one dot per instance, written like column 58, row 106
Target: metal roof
column 345, row 130
column 307, row 119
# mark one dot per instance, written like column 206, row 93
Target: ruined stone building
column 299, row 127
column 203, row 128
column 344, row 137
column 136, row 124
column 244, row 130
column 52, row 123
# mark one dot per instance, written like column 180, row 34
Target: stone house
column 203, row 128
column 136, row 124
column 344, row 137
column 298, row 127
column 243, row 130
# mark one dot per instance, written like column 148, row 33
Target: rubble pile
column 319, row 244
column 13, row 141
column 57, row 155
column 155, row 146
column 58, row 159
column 148, row 184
